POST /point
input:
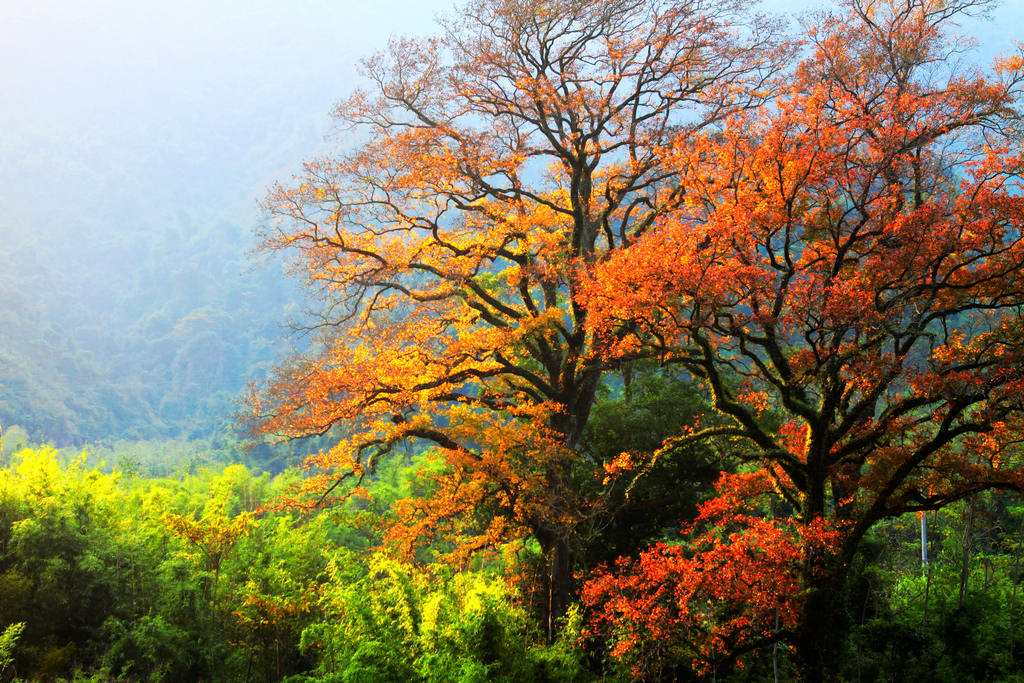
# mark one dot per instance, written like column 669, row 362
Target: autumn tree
column 480, row 171
column 845, row 277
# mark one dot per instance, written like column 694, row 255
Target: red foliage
column 848, row 263
column 734, row 586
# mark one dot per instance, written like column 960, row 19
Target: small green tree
column 8, row 639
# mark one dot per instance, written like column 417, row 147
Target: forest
column 632, row 340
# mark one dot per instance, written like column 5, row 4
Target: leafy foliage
column 570, row 274
column 164, row 355
column 733, row 588
column 849, row 259
column 494, row 161
column 401, row 623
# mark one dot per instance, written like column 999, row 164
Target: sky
column 173, row 98
column 127, row 115
column 128, row 109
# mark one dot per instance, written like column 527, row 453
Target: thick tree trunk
column 821, row 630
column 555, row 542
column 818, row 637
column 557, row 580
column 559, row 574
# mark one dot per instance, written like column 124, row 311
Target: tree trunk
column 559, row 574
column 556, row 579
column 811, row 652
column 555, row 541
column 821, row 629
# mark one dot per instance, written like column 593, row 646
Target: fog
column 119, row 113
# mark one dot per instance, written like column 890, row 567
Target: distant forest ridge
column 154, row 335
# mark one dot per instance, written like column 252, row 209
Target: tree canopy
column 830, row 248
column 491, row 165
column 845, row 278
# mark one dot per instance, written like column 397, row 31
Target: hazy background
column 136, row 138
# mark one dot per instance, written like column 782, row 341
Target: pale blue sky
column 132, row 109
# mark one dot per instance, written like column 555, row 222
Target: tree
column 8, row 639
column 846, row 278
column 490, row 164
column 701, row 606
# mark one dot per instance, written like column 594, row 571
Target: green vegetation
column 555, row 432
column 106, row 576
column 160, row 345
column 131, row 571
